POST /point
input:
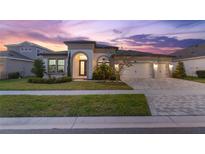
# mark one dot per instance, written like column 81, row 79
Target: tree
column 179, row 71
column 38, row 68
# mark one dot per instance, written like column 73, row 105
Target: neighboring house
column 192, row 57
column 11, row 62
column 19, row 58
column 28, row 49
column 82, row 58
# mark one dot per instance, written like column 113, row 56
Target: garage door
column 139, row 70
column 162, row 71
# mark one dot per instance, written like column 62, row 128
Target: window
column 103, row 60
column 56, row 65
column 61, row 63
column 52, row 65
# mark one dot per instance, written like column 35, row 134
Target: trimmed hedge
column 14, row 75
column 200, row 73
column 50, row 80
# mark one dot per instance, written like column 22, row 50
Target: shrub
column 14, row 75
column 179, row 71
column 200, row 73
column 104, row 72
column 38, row 68
column 49, row 80
column 113, row 77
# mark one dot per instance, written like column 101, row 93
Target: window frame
column 52, row 65
column 101, row 62
column 56, row 65
column 61, row 65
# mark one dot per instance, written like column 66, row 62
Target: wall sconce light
column 170, row 67
column 117, row 68
column 155, row 66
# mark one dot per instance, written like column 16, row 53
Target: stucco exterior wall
column 80, row 46
column 23, row 67
column 104, row 50
column 192, row 65
column 2, row 68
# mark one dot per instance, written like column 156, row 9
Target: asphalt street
column 179, row 130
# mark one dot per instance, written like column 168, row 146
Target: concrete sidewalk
column 101, row 122
column 98, row 92
column 68, row 92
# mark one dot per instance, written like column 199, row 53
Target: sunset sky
column 149, row 36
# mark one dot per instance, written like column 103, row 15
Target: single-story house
column 83, row 57
column 192, row 57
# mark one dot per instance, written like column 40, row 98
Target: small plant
column 38, row 68
column 14, row 75
column 179, row 71
column 49, row 80
column 104, row 72
column 200, row 73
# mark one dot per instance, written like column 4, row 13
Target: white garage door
column 162, row 71
column 139, row 70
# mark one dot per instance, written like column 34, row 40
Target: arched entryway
column 80, row 66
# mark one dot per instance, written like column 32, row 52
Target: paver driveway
column 172, row 96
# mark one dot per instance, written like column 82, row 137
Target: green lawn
column 196, row 79
column 81, row 105
column 22, row 84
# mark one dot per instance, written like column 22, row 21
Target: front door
column 82, row 67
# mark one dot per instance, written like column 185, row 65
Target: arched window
column 103, row 60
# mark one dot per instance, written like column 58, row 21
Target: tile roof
column 97, row 45
column 136, row 53
column 57, row 53
column 13, row 54
column 190, row 52
column 30, row 44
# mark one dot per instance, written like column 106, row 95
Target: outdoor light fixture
column 170, row 67
column 155, row 66
column 117, row 67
